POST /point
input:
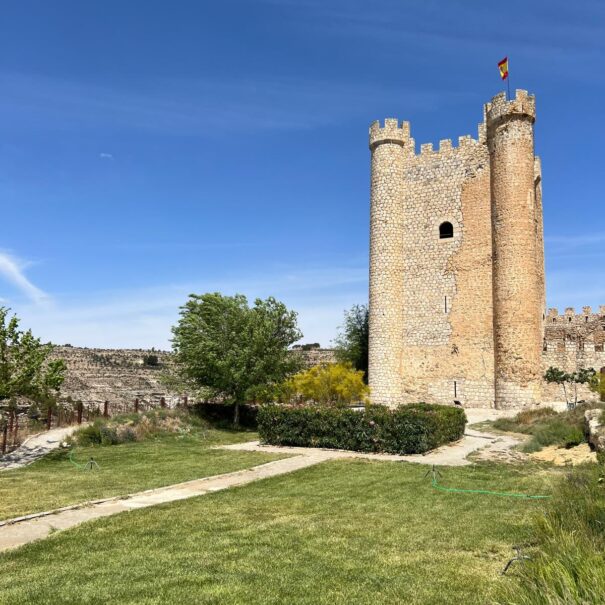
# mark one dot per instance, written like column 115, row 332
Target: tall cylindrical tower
column 517, row 287
column 388, row 147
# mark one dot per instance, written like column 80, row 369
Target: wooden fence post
column 106, row 409
column 16, row 432
column 186, row 402
column 49, row 418
column 162, row 402
column 136, row 405
column 80, row 409
column 4, row 435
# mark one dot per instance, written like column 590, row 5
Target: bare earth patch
column 561, row 456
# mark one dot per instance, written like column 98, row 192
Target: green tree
column 25, row 368
column 352, row 341
column 335, row 384
column 233, row 350
column 571, row 380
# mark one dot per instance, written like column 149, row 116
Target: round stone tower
column 517, row 287
column 388, row 145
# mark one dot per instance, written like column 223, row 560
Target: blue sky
column 153, row 149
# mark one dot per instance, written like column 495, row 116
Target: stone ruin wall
column 120, row 375
column 573, row 341
column 116, row 375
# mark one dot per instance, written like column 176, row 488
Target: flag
column 503, row 67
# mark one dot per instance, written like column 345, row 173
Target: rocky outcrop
column 595, row 428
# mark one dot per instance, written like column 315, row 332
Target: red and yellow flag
column 503, row 67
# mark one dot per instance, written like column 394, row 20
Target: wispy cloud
column 106, row 156
column 199, row 107
column 142, row 318
column 13, row 271
column 544, row 30
column 585, row 239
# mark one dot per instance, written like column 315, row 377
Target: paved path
column 448, row 455
column 35, row 447
column 19, row 531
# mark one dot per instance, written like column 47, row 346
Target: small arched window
column 446, row 230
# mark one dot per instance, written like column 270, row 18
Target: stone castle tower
column 457, row 292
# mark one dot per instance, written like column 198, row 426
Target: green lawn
column 344, row 532
column 54, row 481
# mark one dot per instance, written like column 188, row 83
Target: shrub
column 409, row 429
column 547, row 427
column 328, row 384
column 151, row 360
column 135, row 427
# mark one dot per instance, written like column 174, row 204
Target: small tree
column 352, row 342
column 328, row 384
column 571, row 380
column 231, row 349
column 25, row 367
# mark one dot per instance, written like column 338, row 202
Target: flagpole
column 508, row 76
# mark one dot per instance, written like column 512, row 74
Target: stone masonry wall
column 573, row 341
column 390, row 147
column 517, row 284
column 447, row 298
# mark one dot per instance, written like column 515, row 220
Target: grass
column 547, row 427
column 342, row 532
column 567, row 565
column 54, row 481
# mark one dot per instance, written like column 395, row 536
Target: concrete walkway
column 19, row 531
column 454, row 454
column 35, row 447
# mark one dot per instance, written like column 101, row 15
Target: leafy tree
column 352, row 341
column 335, row 384
column 25, row 368
column 571, row 380
column 234, row 350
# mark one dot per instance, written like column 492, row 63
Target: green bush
column 89, row 435
column 136, row 427
column 567, row 564
column 556, row 432
column 547, row 427
column 409, row 429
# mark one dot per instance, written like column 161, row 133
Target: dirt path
column 19, row 531
column 35, row 447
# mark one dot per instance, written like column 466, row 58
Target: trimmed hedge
column 409, row 429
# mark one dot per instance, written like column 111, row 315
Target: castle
column 457, row 282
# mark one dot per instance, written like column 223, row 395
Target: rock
column 595, row 429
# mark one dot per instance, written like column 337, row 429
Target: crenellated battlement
column 500, row 108
column 394, row 131
column 571, row 317
column 391, row 131
column 456, row 305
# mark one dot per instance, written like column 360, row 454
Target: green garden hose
column 88, row 466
